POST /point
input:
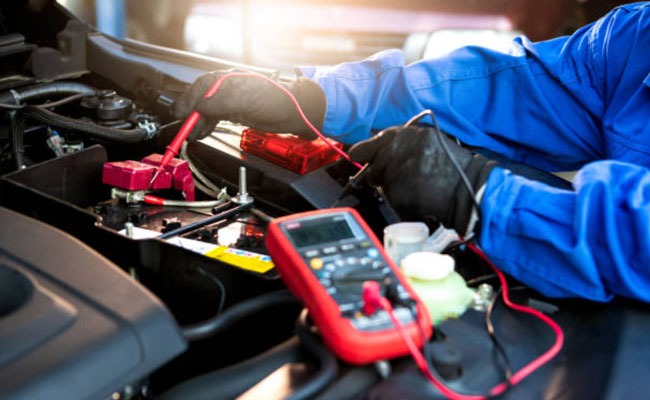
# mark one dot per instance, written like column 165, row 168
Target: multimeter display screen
column 321, row 233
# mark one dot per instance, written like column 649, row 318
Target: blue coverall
column 558, row 105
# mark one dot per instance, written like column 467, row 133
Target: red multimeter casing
column 319, row 254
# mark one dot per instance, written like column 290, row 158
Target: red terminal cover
column 290, row 151
column 134, row 175
column 180, row 172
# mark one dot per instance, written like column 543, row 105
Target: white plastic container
column 404, row 238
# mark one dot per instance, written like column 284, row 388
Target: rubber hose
column 328, row 364
column 222, row 321
column 18, row 96
column 71, row 124
column 231, row 382
column 88, row 128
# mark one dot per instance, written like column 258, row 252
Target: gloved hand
column 252, row 102
column 418, row 177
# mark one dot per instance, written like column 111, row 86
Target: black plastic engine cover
column 72, row 324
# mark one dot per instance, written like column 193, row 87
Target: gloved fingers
column 401, row 159
column 186, row 102
column 366, row 151
column 204, row 127
column 237, row 97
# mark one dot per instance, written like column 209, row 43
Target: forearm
column 593, row 242
column 526, row 105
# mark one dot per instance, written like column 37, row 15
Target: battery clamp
column 329, row 259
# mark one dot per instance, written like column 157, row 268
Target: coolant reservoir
column 442, row 289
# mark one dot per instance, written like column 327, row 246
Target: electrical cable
column 217, row 192
column 261, row 215
column 327, row 360
column 191, row 121
column 516, row 377
column 205, row 190
column 451, row 157
column 295, row 103
column 16, row 96
column 12, row 106
column 222, row 288
column 63, row 101
column 481, row 279
column 489, row 326
column 237, row 312
column 559, row 334
column 43, row 115
column 149, row 199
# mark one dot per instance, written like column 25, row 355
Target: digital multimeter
column 324, row 257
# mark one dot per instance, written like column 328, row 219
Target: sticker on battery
column 243, row 259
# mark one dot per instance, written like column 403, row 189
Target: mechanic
column 579, row 102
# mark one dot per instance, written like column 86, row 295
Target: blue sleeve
column 593, row 242
column 541, row 104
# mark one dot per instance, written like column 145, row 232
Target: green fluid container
column 443, row 290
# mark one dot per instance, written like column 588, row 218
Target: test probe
column 191, row 121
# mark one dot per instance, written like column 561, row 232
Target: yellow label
column 243, row 259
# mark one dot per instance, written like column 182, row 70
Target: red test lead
column 190, row 122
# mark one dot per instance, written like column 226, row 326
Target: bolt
column 243, row 194
column 383, row 368
column 129, row 229
column 484, row 295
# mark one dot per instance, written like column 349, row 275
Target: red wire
column 559, row 334
column 500, row 388
column 215, row 88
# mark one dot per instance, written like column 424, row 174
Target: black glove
column 418, row 176
column 253, row 102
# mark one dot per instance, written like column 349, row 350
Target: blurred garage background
column 286, row 33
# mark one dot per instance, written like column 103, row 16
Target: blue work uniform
column 579, row 102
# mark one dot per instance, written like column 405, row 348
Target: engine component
column 63, row 331
column 180, row 171
column 141, row 133
column 290, row 151
column 108, row 108
column 46, row 90
column 134, row 175
column 137, row 176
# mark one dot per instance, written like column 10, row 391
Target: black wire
column 507, row 366
column 426, row 350
column 328, row 364
column 481, row 279
column 58, row 103
column 459, row 243
column 459, row 169
column 222, row 288
column 63, row 101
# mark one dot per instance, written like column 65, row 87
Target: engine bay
column 179, row 270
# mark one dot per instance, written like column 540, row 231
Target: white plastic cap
column 428, row 266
